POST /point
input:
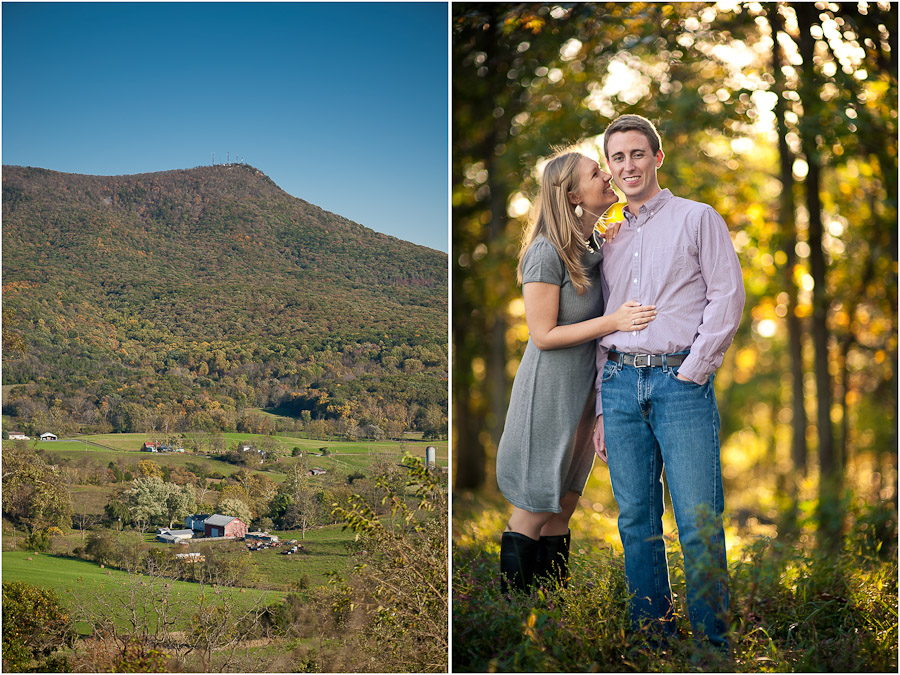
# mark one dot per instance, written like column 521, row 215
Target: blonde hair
column 553, row 217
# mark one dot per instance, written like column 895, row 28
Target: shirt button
column 635, row 281
column 639, row 229
column 635, row 254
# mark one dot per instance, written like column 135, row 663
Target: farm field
column 286, row 442
column 285, row 611
column 106, row 447
column 325, row 551
column 325, row 545
column 84, row 586
column 98, row 450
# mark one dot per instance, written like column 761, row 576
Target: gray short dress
column 546, row 448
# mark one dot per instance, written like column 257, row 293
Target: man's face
column 633, row 165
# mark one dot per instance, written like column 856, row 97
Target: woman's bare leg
column 558, row 523
column 527, row 522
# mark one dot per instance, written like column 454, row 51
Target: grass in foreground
column 793, row 609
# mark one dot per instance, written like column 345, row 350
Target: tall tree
column 830, row 472
column 789, row 238
column 303, row 505
column 35, row 495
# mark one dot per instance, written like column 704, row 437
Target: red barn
column 224, row 526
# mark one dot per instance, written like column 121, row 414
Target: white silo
column 429, row 455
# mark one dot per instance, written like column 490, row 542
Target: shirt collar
column 655, row 203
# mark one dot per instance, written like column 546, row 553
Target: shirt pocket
column 669, row 264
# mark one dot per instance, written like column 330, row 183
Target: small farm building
column 17, row 436
column 48, row 437
column 196, row 521
column 262, row 536
column 174, row 536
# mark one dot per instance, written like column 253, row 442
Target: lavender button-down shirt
column 675, row 254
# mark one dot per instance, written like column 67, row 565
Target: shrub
column 34, row 627
column 136, row 657
column 401, row 583
column 39, row 540
column 102, row 548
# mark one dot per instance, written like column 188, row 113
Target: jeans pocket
column 673, row 374
column 609, row 371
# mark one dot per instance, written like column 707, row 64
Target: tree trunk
column 495, row 362
column 789, row 232
column 844, row 445
column 468, row 453
column 830, row 473
column 472, row 417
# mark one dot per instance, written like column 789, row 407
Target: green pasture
column 131, row 443
column 84, row 586
column 130, row 460
column 325, row 552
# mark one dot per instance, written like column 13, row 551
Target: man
column 658, row 405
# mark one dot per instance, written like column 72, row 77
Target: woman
column 545, row 454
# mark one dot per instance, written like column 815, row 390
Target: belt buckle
column 642, row 357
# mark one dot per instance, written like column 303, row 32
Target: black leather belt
column 646, row 360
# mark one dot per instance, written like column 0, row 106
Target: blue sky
column 341, row 104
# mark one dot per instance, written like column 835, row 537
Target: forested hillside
column 178, row 300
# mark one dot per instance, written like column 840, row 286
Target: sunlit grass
column 794, row 608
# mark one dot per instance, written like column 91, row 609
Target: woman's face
column 594, row 187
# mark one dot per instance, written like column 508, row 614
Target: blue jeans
column 651, row 419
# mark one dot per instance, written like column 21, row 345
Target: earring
column 579, row 211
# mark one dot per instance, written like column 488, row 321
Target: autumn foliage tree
column 35, row 494
column 35, row 626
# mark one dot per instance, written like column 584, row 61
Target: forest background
column 791, row 134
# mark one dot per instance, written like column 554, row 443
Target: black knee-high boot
column 518, row 555
column 553, row 558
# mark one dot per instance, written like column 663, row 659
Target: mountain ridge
column 142, row 270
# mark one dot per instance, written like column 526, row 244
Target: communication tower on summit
column 214, row 159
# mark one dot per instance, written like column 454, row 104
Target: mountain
column 186, row 297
